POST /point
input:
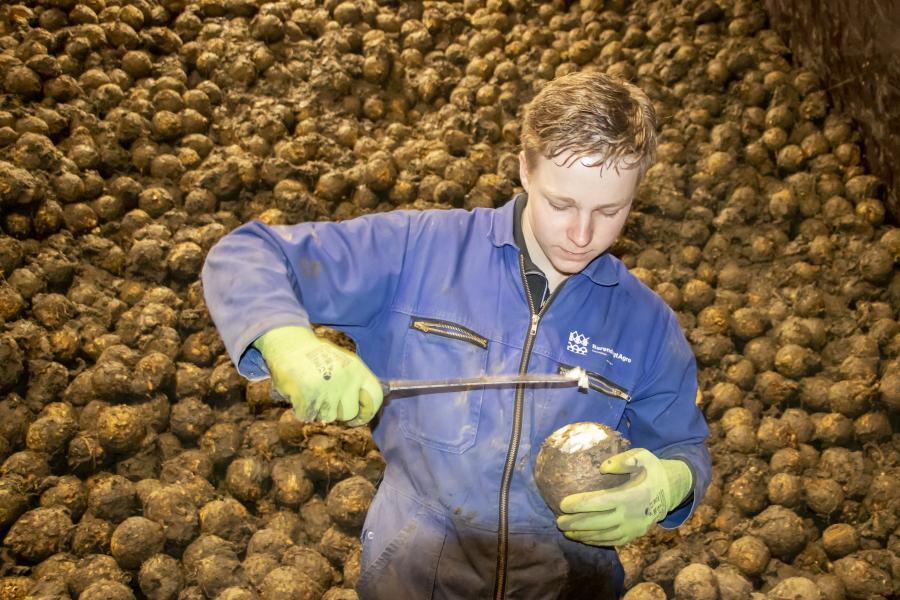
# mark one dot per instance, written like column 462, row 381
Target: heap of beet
column 135, row 462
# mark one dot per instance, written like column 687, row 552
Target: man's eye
column 557, row 206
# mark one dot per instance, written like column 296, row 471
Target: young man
column 528, row 287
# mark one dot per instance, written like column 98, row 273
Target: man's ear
column 523, row 170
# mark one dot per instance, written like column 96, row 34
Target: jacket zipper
column 450, row 330
column 601, row 384
column 515, row 437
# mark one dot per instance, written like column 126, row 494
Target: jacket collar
column 602, row 270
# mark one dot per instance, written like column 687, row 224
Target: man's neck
column 537, row 256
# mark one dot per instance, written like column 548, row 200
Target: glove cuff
column 680, row 481
column 275, row 339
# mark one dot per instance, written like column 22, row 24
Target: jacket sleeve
column 663, row 415
column 259, row 277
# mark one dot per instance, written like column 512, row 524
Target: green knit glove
column 616, row 516
column 322, row 381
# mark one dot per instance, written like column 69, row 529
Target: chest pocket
column 607, row 398
column 601, row 384
column 439, row 349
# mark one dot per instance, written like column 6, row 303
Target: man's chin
column 571, row 265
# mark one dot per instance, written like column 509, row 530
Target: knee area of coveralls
column 410, row 550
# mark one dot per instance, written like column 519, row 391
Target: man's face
column 575, row 212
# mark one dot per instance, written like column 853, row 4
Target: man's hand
column 322, row 381
column 616, row 516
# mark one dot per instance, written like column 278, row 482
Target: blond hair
column 591, row 114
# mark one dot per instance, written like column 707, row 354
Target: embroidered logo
column 610, row 353
column 578, row 343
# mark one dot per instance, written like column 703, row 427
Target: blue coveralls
column 441, row 293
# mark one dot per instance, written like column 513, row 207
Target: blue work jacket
column 441, row 293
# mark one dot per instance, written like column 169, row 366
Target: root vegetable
column 95, row 568
column 750, row 554
column 696, row 581
column 236, row 593
column 748, row 491
column 120, row 429
column 107, row 590
column 40, row 533
column 839, row 540
column 340, row 594
column 872, row 428
column 781, row 530
column 54, row 588
column 336, row 545
column 772, row 434
column 741, row 438
column 59, row 566
column 248, row 478
column 269, row 541
column 186, row 466
column 311, row 562
column 222, row 441
column 664, row 569
column 775, row 389
column 205, row 546
column 68, row 492
column 135, row 540
column 785, row 489
column 190, row 418
column 85, row 454
column 830, row 586
column 91, row 536
column 175, row 511
column 192, row 592
column 569, row 461
column 219, row 572
column 732, row 585
column 291, row 488
column 795, row 588
column 846, row 467
column 289, row 582
column 229, row 520
column 161, row 577
column 823, row 496
column 761, row 352
column 832, row 429
column 29, row 467
column 352, row 567
column 851, row 398
column 111, row 497
column 795, row 361
column 51, row 434
column 348, row 501
column 13, row 501
column 257, row 566
column 861, row 579
column 14, row 415
column 799, row 423
column 646, row 590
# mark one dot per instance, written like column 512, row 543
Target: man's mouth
column 574, row 254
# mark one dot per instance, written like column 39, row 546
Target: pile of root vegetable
column 133, row 135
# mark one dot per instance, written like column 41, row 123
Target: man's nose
column 581, row 231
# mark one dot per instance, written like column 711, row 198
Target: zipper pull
column 535, row 318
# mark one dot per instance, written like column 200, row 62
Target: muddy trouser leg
column 594, row 573
column 401, row 545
